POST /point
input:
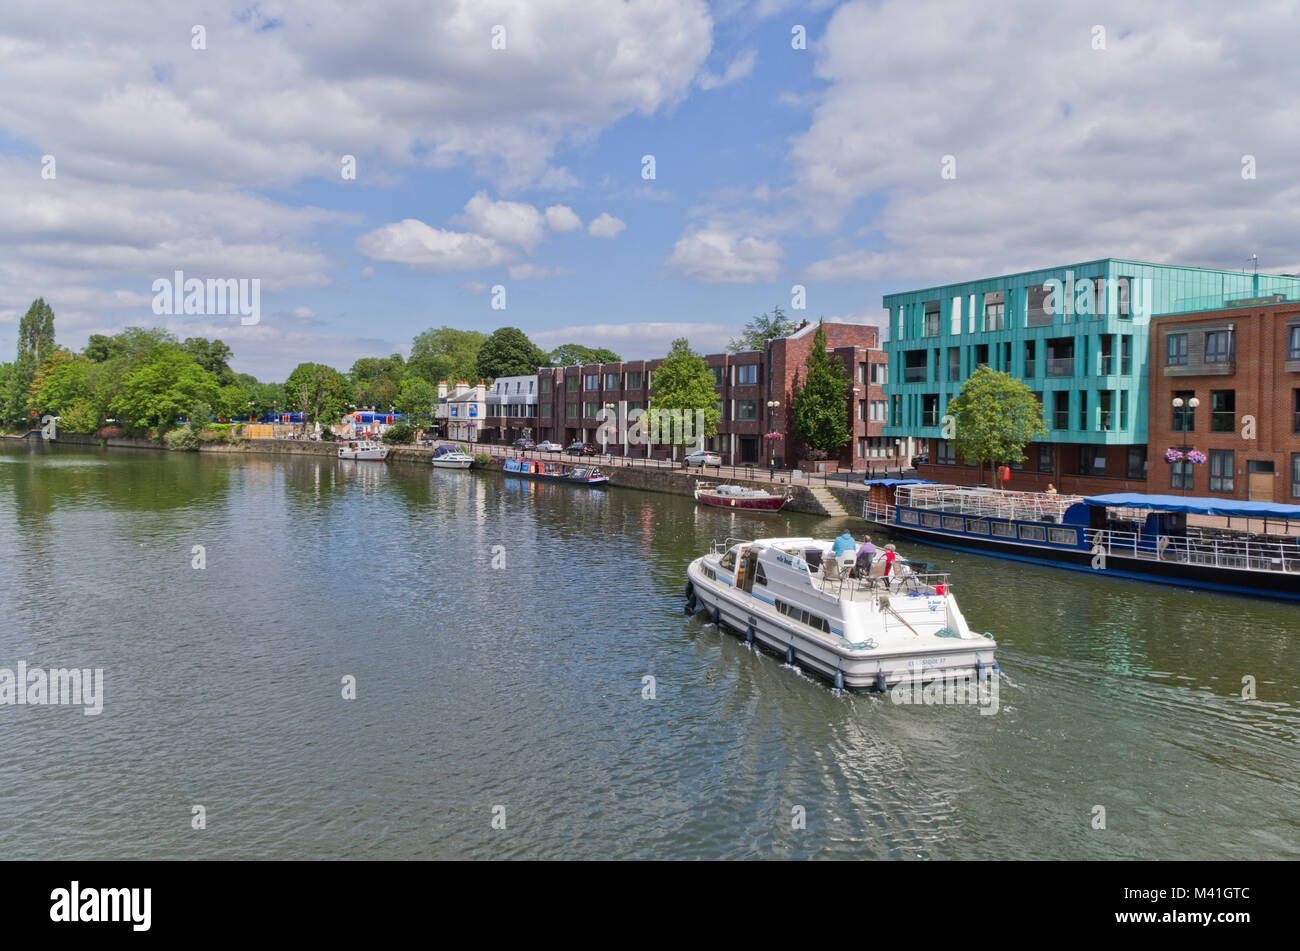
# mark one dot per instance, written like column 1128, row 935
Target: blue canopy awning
column 1197, row 506
column 892, row 482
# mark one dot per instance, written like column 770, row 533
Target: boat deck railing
column 1212, row 549
column 906, row 581
column 879, row 512
column 986, row 503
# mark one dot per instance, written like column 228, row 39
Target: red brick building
column 754, row 389
column 1242, row 367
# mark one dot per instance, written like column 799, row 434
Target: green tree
column 213, row 355
column 64, row 380
column 319, row 392
column 415, row 401
column 161, row 390
column 683, row 382
column 377, row 380
column 35, row 341
column 761, row 329
column 445, row 354
column 509, row 352
column 575, row 354
column 819, row 409
column 994, row 417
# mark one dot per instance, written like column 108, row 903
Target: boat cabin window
column 729, row 560
column 813, row 556
column 760, row 576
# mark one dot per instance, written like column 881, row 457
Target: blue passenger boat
column 1129, row 535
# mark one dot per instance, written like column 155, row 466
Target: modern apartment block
column 753, row 390
column 1235, row 374
column 1077, row 335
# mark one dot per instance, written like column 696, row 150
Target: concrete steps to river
column 827, row 501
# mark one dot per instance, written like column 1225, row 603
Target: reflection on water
column 522, row 685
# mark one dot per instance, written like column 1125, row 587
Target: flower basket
column 1173, row 455
column 1196, row 457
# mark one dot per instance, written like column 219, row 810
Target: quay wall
column 650, row 479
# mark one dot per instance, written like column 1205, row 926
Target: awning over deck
column 1232, row 508
column 894, row 482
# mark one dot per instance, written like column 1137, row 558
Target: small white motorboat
column 794, row 597
column 450, row 457
column 363, row 449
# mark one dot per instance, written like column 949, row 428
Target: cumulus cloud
column 562, row 218
column 529, row 270
column 509, row 222
column 713, row 255
column 739, row 68
column 605, row 225
column 413, row 242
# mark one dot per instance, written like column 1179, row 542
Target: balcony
column 1105, row 421
column 1106, row 365
column 1060, row 366
column 1061, row 419
column 914, row 375
column 1031, row 368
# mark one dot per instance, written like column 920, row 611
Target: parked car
column 582, row 449
column 549, row 446
column 703, row 457
column 920, row 460
column 523, row 444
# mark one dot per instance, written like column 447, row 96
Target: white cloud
column 415, row 243
column 509, row 222
column 739, row 68
column 605, row 225
column 712, row 255
column 562, row 218
column 367, row 272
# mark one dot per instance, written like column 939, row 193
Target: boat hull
column 772, row 504
column 453, row 463
column 859, row 668
column 364, row 455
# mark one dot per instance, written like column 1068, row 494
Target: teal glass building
column 1076, row 334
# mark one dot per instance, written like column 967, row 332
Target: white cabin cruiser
column 363, row 449
column 451, row 457
column 792, row 596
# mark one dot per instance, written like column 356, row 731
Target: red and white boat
column 739, row 497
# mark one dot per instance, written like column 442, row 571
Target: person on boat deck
column 888, row 556
column 1051, row 489
column 866, row 552
column 844, row 544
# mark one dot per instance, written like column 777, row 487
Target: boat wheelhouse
column 793, row 597
column 363, row 450
column 1131, row 535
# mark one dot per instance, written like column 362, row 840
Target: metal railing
column 1060, row 366
column 1203, row 547
column 986, row 503
column 901, row 580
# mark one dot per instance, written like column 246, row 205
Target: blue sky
column 1076, row 132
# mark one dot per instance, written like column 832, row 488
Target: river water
column 499, row 632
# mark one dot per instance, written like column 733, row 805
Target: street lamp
column 1191, row 404
column 772, row 407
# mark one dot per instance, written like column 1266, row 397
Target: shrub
column 110, row 432
column 327, row 434
column 482, row 459
column 399, row 433
column 183, row 439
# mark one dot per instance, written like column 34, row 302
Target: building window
column 878, row 410
column 1295, row 415
column 1221, row 469
column 546, row 410
column 1061, row 409
column 1125, row 354
column 719, row 375
column 571, row 410
column 546, row 384
column 1083, row 411
column 721, row 407
column 914, row 366
column 1295, row 475
column 1123, row 410
column 930, row 409
column 571, row 384
column 944, row 454
column 747, row 374
column 746, row 409
column 880, row 373
column 931, row 326
column 1092, row 460
column 1293, row 342
column 1180, row 475
column 591, row 381
column 1046, row 462
column 589, row 410
column 1184, row 416
column 1176, row 350
column 1223, row 411
column 1218, row 346
column 1136, row 467
column 995, row 316
column 954, row 364
column 611, row 381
